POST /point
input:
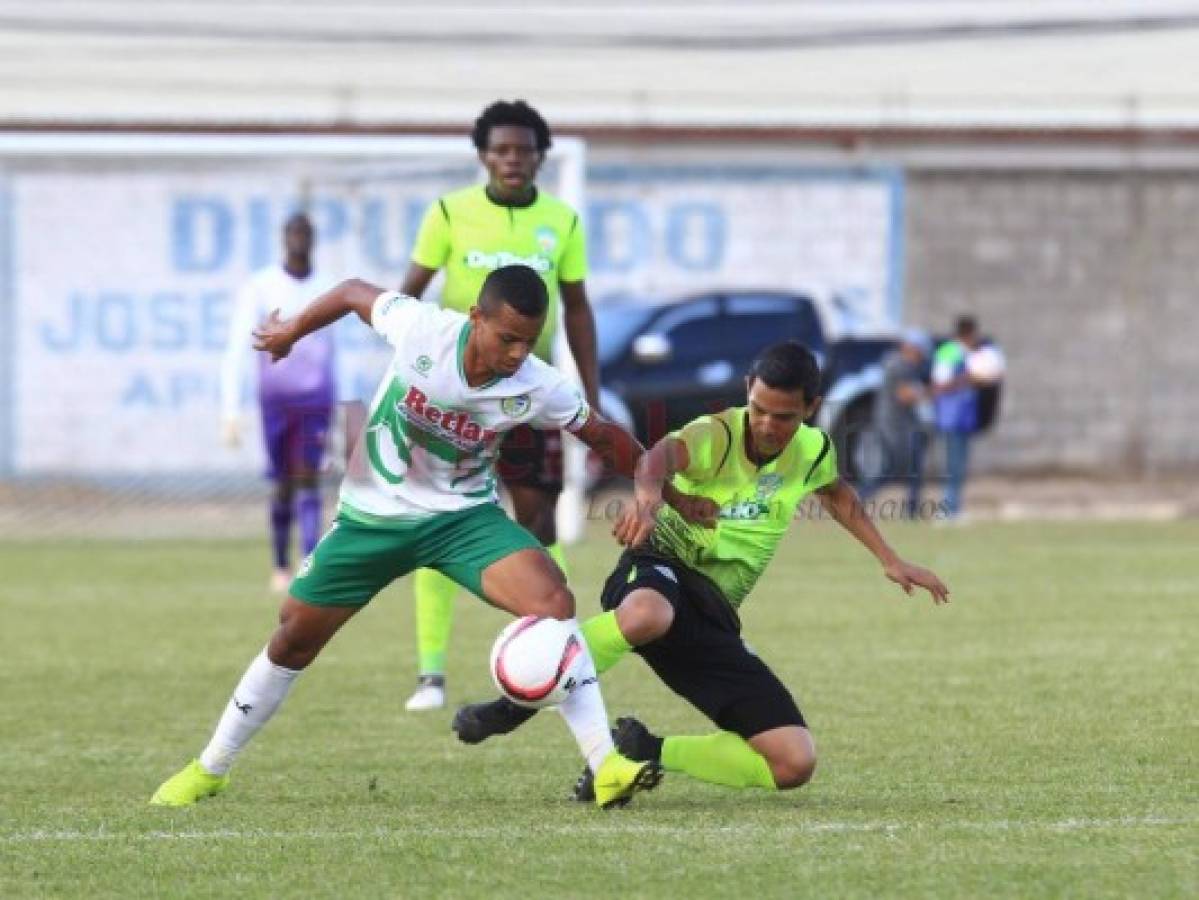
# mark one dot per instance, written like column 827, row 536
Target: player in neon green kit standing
column 468, row 233
column 740, row 476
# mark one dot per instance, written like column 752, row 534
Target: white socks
column 584, row 710
column 265, row 685
column 254, row 701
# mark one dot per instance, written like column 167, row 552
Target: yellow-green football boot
column 187, row 786
column 618, row 778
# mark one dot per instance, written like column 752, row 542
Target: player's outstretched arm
column 277, row 335
column 842, row 503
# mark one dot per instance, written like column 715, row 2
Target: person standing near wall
column 899, row 423
column 295, row 396
column 966, row 374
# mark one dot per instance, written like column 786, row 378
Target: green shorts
column 360, row 555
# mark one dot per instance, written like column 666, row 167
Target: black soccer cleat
column 584, row 789
column 636, row 741
column 476, row 722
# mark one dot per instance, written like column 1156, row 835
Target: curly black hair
column 516, row 112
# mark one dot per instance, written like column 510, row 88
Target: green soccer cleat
column 619, row 778
column 187, row 786
column 634, row 741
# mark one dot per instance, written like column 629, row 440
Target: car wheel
column 858, row 445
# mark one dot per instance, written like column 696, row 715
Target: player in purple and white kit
column 295, row 396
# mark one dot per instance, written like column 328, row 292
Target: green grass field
column 1036, row 738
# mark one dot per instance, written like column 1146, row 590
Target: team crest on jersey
column 547, row 239
column 768, row 484
column 423, row 364
column 515, row 407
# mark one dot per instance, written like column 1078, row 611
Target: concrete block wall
column 1090, row 281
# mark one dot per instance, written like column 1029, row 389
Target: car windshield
column 615, row 324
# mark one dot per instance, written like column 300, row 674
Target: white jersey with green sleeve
column 431, row 440
column 757, row 503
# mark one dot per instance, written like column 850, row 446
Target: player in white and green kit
column 426, row 497
column 674, row 598
column 467, row 233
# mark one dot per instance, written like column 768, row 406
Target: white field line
column 806, row 828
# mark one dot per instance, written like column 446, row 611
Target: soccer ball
column 537, row 662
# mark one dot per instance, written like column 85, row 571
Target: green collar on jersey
column 462, row 339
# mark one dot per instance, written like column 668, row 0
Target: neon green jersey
column 757, row 503
column 469, row 236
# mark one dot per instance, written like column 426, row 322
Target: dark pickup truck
column 664, row 362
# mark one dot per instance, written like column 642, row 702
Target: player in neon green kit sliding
column 427, row 497
column 675, row 599
column 468, row 233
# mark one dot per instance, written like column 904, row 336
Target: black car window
column 768, row 319
column 699, row 339
column 676, row 316
column 760, row 305
column 689, row 327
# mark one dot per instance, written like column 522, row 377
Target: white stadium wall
column 119, row 277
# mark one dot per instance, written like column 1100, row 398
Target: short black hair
column 517, row 286
column 965, row 326
column 788, row 366
column 516, row 112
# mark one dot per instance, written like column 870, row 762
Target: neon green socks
column 434, row 617
column 559, row 556
column 719, row 758
column 604, row 640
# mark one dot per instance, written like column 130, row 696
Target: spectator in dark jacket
column 901, row 421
